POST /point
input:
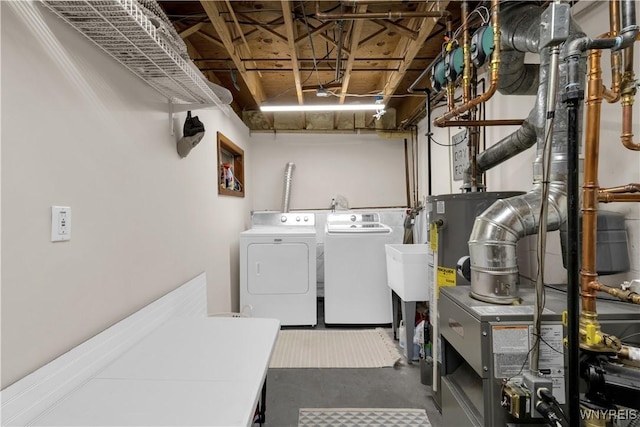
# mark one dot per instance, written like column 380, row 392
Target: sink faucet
column 333, row 205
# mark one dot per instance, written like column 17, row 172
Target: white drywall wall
column 80, row 130
column 367, row 169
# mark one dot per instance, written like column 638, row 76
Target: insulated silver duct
column 286, row 198
column 520, row 32
column 492, row 244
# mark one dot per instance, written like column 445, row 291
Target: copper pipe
column 622, row 295
column 627, row 124
column 380, row 15
column 466, row 53
column 629, row 188
column 614, row 17
column 628, row 90
column 449, row 27
column 495, row 65
column 613, row 95
column 502, row 122
column 610, row 198
column 628, row 56
column 590, row 187
column 609, row 95
column 451, row 94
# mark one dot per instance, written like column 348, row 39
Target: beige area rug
column 362, row 348
column 360, row 417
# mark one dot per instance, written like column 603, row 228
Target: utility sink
column 407, row 271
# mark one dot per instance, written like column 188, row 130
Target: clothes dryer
column 278, row 268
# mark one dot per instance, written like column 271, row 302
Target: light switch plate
column 60, row 223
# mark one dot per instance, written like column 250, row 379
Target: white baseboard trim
column 30, row 396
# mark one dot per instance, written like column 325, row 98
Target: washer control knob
column 283, row 218
column 306, row 218
column 353, row 218
column 298, row 219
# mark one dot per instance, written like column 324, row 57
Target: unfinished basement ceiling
column 284, row 52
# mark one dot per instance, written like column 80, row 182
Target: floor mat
column 363, row 348
column 359, row 417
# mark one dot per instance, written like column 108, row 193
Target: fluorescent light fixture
column 326, row 107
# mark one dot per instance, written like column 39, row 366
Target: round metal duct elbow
column 286, row 198
column 495, row 234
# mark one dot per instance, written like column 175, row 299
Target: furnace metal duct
column 520, row 32
column 286, row 198
column 492, row 244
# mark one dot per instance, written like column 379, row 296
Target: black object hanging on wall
column 192, row 134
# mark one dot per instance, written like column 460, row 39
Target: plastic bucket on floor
column 426, row 370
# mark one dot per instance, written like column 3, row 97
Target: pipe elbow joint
column 576, row 47
column 494, row 264
column 492, row 243
column 626, row 38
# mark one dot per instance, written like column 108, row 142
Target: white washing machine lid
column 358, row 228
column 280, row 231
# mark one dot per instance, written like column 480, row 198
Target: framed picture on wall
column 230, row 167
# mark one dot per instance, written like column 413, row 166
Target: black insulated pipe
column 429, row 193
column 629, row 31
column 573, row 98
column 628, row 13
column 604, row 43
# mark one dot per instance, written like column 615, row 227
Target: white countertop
column 188, row 371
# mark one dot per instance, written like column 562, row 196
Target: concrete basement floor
column 288, row 390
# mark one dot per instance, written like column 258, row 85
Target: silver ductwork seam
column 495, row 233
column 492, row 245
column 286, row 198
column 520, row 32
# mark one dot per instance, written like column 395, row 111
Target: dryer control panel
column 288, row 219
column 292, row 219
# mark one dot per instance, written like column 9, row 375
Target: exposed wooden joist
column 323, row 36
column 211, row 39
column 390, row 25
column 331, row 41
column 291, row 37
column 410, row 49
column 240, row 31
column 191, row 30
column 260, row 27
column 193, row 53
column 353, row 47
column 367, row 39
column 236, row 54
column 325, row 26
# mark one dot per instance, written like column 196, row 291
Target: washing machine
column 278, row 268
column 355, row 276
